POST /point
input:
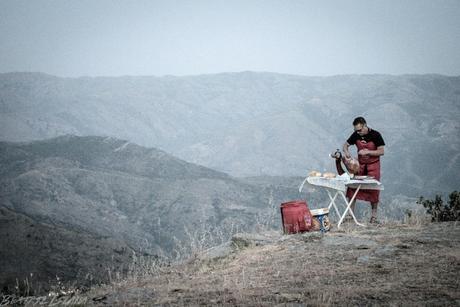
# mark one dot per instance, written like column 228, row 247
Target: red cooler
column 296, row 217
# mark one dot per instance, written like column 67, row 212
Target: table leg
column 303, row 183
column 348, row 208
column 332, row 203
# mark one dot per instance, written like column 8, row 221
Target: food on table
column 329, row 175
column 314, row 174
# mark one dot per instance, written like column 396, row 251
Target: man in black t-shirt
column 370, row 146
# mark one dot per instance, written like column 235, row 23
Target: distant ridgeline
column 249, row 124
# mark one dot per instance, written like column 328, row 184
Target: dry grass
column 390, row 265
column 398, row 263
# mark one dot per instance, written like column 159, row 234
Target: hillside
column 251, row 124
column 76, row 207
column 396, row 264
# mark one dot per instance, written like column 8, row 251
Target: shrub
column 441, row 212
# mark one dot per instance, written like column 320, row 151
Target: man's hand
column 364, row 152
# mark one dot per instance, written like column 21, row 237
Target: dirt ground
column 396, row 265
column 390, row 265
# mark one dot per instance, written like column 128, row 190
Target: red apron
column 368, row 166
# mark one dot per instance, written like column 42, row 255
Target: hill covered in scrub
column 394, row 264
column 81, row 207
column 252, row 124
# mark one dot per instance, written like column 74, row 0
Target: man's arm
column 380, row 151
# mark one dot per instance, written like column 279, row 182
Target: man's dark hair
column 359, row 120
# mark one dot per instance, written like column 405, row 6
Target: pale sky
column 72, row 38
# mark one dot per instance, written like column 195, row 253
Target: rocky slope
column 249, row 124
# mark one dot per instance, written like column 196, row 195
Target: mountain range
column 250, row 123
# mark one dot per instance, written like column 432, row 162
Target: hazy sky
column 112, row 38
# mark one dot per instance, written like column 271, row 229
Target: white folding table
column 338, row 186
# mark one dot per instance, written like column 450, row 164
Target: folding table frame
column 338, row 187
column 347, row 207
